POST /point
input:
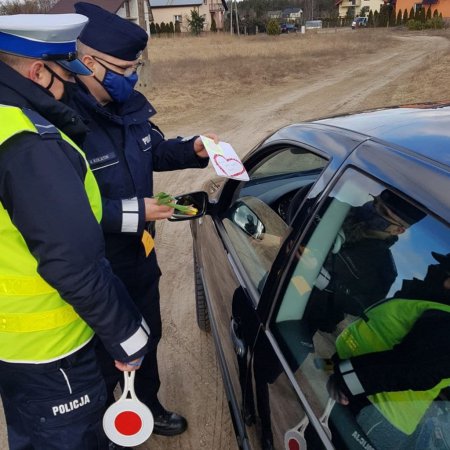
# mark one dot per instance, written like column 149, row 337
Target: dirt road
column 191, row 377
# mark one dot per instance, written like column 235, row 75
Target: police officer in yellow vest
column 398, row 359
column 56, row 287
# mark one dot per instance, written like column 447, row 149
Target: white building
column 159, row 11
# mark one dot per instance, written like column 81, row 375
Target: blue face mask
column 374, row 221
column 119, row 87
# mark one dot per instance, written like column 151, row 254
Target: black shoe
column 169, row 424
column 267, row 444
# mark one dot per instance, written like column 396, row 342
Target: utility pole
column 231, row 17
column 142, row 24
column 237, row 20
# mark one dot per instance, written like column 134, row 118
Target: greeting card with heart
column 224, row 159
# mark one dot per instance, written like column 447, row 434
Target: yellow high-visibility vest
column 386, row 325
column 36, row 324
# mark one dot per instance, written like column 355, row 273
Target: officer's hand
column 129, row 366
column 200, row 149
column 335, row 391
column 153, row 211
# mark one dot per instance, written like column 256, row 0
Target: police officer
column 56, row 287
column 363, row 270
column 397, row 357
column 124, row 148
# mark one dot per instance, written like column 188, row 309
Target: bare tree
column 26, row 6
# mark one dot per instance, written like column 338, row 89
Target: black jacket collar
column 16, row 90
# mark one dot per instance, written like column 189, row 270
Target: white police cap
column 51, row 37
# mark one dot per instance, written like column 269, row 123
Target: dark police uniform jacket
column 123, row 148
column 361, row 274
column 41, row 187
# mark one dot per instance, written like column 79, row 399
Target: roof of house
column 66, row 6
column 288, row 11
column 174, row 3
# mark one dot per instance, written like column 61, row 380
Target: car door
column 236, row 248
column 358, row 313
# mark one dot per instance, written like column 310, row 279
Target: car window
column 287, row 161
column 257, row 222
column 364, row 319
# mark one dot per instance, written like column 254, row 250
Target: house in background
column 292, row 15
column 274, row 14
column 357, row 5
column 442, row 6
column 143, row 12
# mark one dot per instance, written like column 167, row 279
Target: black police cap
column 443, row 260
column 403, row 209
column 108, row 33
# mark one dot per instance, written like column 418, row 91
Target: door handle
column 238, row 343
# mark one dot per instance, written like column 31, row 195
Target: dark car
column 288, row 28
column 327, row 277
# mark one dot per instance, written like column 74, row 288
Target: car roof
column 422, row 128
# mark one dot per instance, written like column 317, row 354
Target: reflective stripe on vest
column 39, row 321
column 36, row 324
column 385, row 326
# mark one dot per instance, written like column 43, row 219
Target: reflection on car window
column 257, row 233
column 257, row 221
column 291, row 160
column 364, row 320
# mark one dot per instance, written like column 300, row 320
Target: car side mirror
column 248, row 221
column 197, row 200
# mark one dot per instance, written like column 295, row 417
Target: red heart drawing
column 229, row 166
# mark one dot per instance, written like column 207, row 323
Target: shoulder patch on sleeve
column 43, row 126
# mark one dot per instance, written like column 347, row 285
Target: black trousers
column 55, row 406
column 142, row 282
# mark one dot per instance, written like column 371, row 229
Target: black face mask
column 52, row 79
column 368, row 214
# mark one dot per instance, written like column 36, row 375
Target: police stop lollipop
column 294, row 439
column 128, row 422
column 326, row 415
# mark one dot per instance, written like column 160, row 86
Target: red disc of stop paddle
column 128, row 422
